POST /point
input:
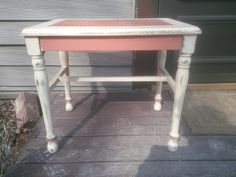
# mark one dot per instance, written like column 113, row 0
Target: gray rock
column 27, row 109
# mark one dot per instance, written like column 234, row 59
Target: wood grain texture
column 217, row 110
column 123, row 108
column 16, row 64
column 93, row 115
column 129, row 148
column 109, row 126
column 173, row 27
column 41, row 10
column 123, row 144
column 26, row 13
column 41, row 81
column 19, row 76
column 123, row 43
column 128, row 169
column 212, row 86
column 17, row 56
column 10, row 32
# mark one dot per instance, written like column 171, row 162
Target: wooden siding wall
column 15, row 65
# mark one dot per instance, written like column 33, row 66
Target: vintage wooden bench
column 151, row 34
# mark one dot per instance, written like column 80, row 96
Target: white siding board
column 15, row 65
column 10, row 32
column 17, row 56
column 47, row 10
column 19, row 76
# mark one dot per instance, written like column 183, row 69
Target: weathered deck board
column 119, row 134
column 217, row 110
column 127, row 104
column 139, row 95
column 112, row 108
column 128, row 169
column 130, row 148
column 109, row 126
column 111, row 114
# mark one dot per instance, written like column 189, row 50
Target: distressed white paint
column 172, row 145
column 179, row 85
column 41, row 81
column 119, row 79
column 69, row 106
column 46, row 29
column 189, row 44
column 181, row 82
column 161, row 57
column 55, row 78
column 33, row 46
column 52, row 147
column 64, row 61
column 170, row 80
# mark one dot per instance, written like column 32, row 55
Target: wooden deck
column 119, row 134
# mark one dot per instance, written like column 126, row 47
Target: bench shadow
column 162, row 163
column 42, row 155
column 189, row 160
column 198, row 153
column 97, row 105
column 210, row 114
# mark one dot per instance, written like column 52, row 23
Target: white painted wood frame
column 175, row 31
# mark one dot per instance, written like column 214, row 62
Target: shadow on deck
column 119, row 134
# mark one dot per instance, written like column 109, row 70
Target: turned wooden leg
column 41, row 81
column 161, row 57
column 181, row 81
column 64, row 60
